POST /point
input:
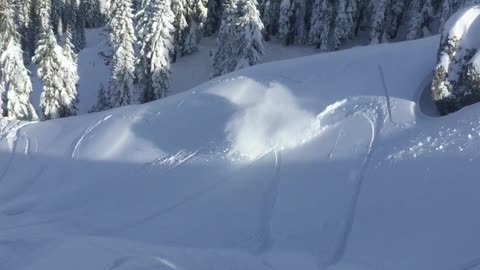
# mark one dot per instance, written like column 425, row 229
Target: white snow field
column 335, row 161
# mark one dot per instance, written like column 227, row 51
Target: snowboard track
column 375, row 113
column 78, row 144
column 188, row 198
column 270, row 198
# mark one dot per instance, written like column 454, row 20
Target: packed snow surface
column 324, row 162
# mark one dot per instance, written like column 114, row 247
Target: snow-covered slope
column 334, row 161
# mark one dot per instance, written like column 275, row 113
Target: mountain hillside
column 335, row 161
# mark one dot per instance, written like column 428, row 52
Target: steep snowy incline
column 333, row 161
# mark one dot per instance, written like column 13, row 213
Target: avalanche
column 334, row 161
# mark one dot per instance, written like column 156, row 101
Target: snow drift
column 342, row 170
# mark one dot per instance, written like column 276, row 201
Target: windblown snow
column 268, row 119
column 334, row 161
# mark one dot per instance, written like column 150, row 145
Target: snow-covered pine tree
column 286, row 21
column 69, row 76
column 78, row 35
column 93, row 13
column 34, row 29
column 56, row 13
column 320, row 24
column 240, row 41
column 22, row 10
column 396, row 16
column 301, row 36
column 142, row 19
column 48, row 57
column 196, row 19
column 136, row 6
column 214, row 16
column 222, row 62
column 15, row 84
column 343, row 26
column 22, row 18
column 180, row 25
column 448, row 8
column 251, row 40
column 59, row 29
column 3, row 96
column 353, row 16
column 378, row 20
column 415, row 20
column 428, row 12
column 102, row 100
column 122, row 38
column 420, row 15
column 270, row 17
column 156, row 47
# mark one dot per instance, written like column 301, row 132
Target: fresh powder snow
column 334, row 161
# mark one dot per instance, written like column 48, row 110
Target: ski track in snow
column 387, row 94
column 375, row 113
column 172, row 162
column 29, row 224
column 270, row 199
column 330, row 155
column 11, row 134
column 78, row 144
column 209, row 188
column 472, row 265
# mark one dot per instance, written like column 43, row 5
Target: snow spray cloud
column 271, row 121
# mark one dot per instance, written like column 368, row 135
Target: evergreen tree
column 240, row 41
column 180, row 25
column 419, row 18
column 102, row 101
column 352, row 14
column 156, row 46
column 69, row 76
column 415, row 20
column 270, row 17
column 379, row 16
column 59, row 29
column 93, row 14
column 57, row 69
column 48, row 57
column 320, row 24
column 122, row 38
column 34, row 28
column 136, row 6
column 79, row 14
column 15, row 84
column 22, row 12
column 428, row 13
column 396, row 14
column 448, row 8
column 343, row 26
column 196, row 19
column 56, row 14
column 286, row 22
column 214, row 16
column 300, row 8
